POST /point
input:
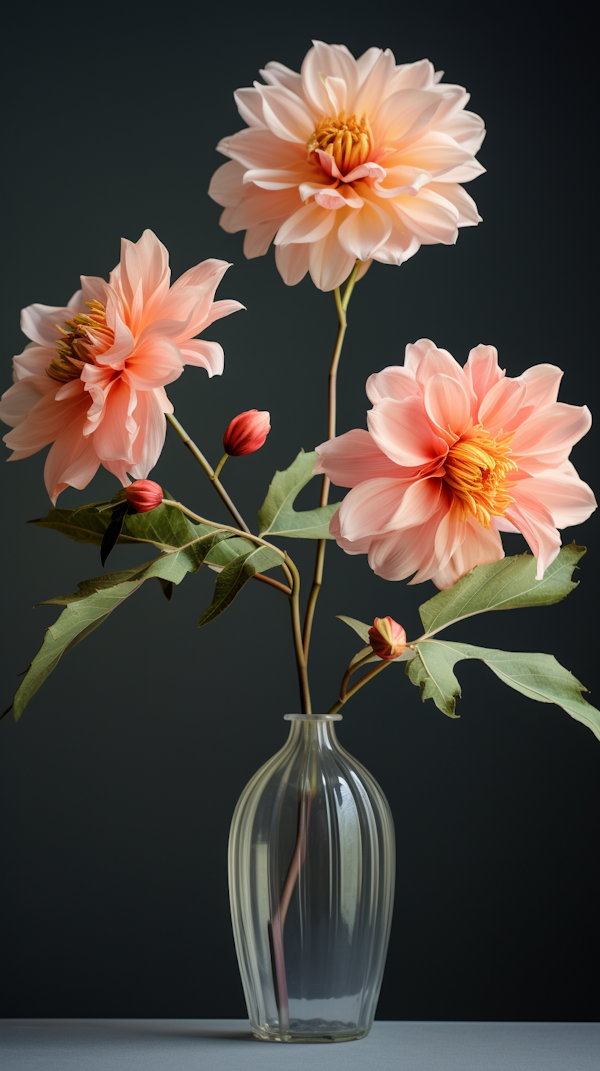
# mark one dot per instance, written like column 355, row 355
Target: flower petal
column 364, row 230
column 113, row 438
column 542, row 382
column 285, row 114
column 352, row 458
column 72, row 461
column 480, row 546
column 329, row 263
column 402, row 430
column 420, row 500
column 149, row 415
column 392, row 382
column 535, row 522
column 565, row 496
column 414, row 353
column 429, row 216
column 482, row 370
column 501, row 403
column 546, row 438
column 39, row 322
column 369, row 507
column 44, row 422
column 226, row 185
column 204, row 354
column 308, row 224
column 396, row 555
column 448, row 405
column 405, row 113
column 292, row 262
column 154, row 364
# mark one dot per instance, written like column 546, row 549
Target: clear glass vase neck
column 312, row 730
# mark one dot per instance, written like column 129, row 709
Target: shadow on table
column 179, row 1029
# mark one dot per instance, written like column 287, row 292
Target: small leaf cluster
column 184, row 547
column 504, row 585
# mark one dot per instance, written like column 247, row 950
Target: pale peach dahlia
column 92, row 380
column 454, row 456
column 353, row 159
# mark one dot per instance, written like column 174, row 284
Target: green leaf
column 113, row 531
column 503, row 585
column 538, row 676
column 277, row 515
column 95, row 600
column 358, row 626
column 166, row 526
column 234, row 575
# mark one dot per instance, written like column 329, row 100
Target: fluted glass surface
column 311, row 879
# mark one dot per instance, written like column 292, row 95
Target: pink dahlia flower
column 350, row 160
column 454, row 456
column 92, row 380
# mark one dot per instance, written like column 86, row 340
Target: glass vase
column 311, row 879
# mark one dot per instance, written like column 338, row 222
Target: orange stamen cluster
column 72, row 348
column 476, row 470
column 348, row 140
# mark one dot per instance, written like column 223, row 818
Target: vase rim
column 312, row 717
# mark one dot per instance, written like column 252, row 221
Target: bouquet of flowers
column 350, row 164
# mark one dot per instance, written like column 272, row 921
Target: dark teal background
column 119, row 782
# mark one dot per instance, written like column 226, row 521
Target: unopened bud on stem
column 387, row 638
column 246, row 433
column 144, row 495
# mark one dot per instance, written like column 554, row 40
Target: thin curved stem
column 351, row 668
column 274, row 583
column 363, row 680
column 297, row 630
column 341, row 304
column 197, row 453
column 223, row 527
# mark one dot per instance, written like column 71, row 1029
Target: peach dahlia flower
column 92, row 380
column 350, row 160
column 452, row 457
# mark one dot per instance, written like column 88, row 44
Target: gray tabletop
column 224, row 1044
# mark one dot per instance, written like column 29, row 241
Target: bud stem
column 215, row 474
column 350, row 670
column 341, row 304
column 297, row 630
column 359, row 684
column 195, row 450
column 224, row 527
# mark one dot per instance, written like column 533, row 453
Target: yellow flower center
column 348, row 140
column 72, row 352
column 476, row 470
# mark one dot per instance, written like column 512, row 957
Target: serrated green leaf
column 234, row 575
column 277, row 515
column 504, row 585
column 538, row 676
column 359, row 626
column 95, row 600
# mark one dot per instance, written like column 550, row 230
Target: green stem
column 215, row 475
column 363, row 680
column 306, row 706
column 341, row 304
column 351, row 668
column 223, row 527
column 196, row 451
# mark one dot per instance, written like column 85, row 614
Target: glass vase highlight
column 311, row 880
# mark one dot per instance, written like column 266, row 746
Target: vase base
column 315, row 1031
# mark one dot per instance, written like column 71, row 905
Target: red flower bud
column 387, row 638
column 246, row 433
column 144, row 495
